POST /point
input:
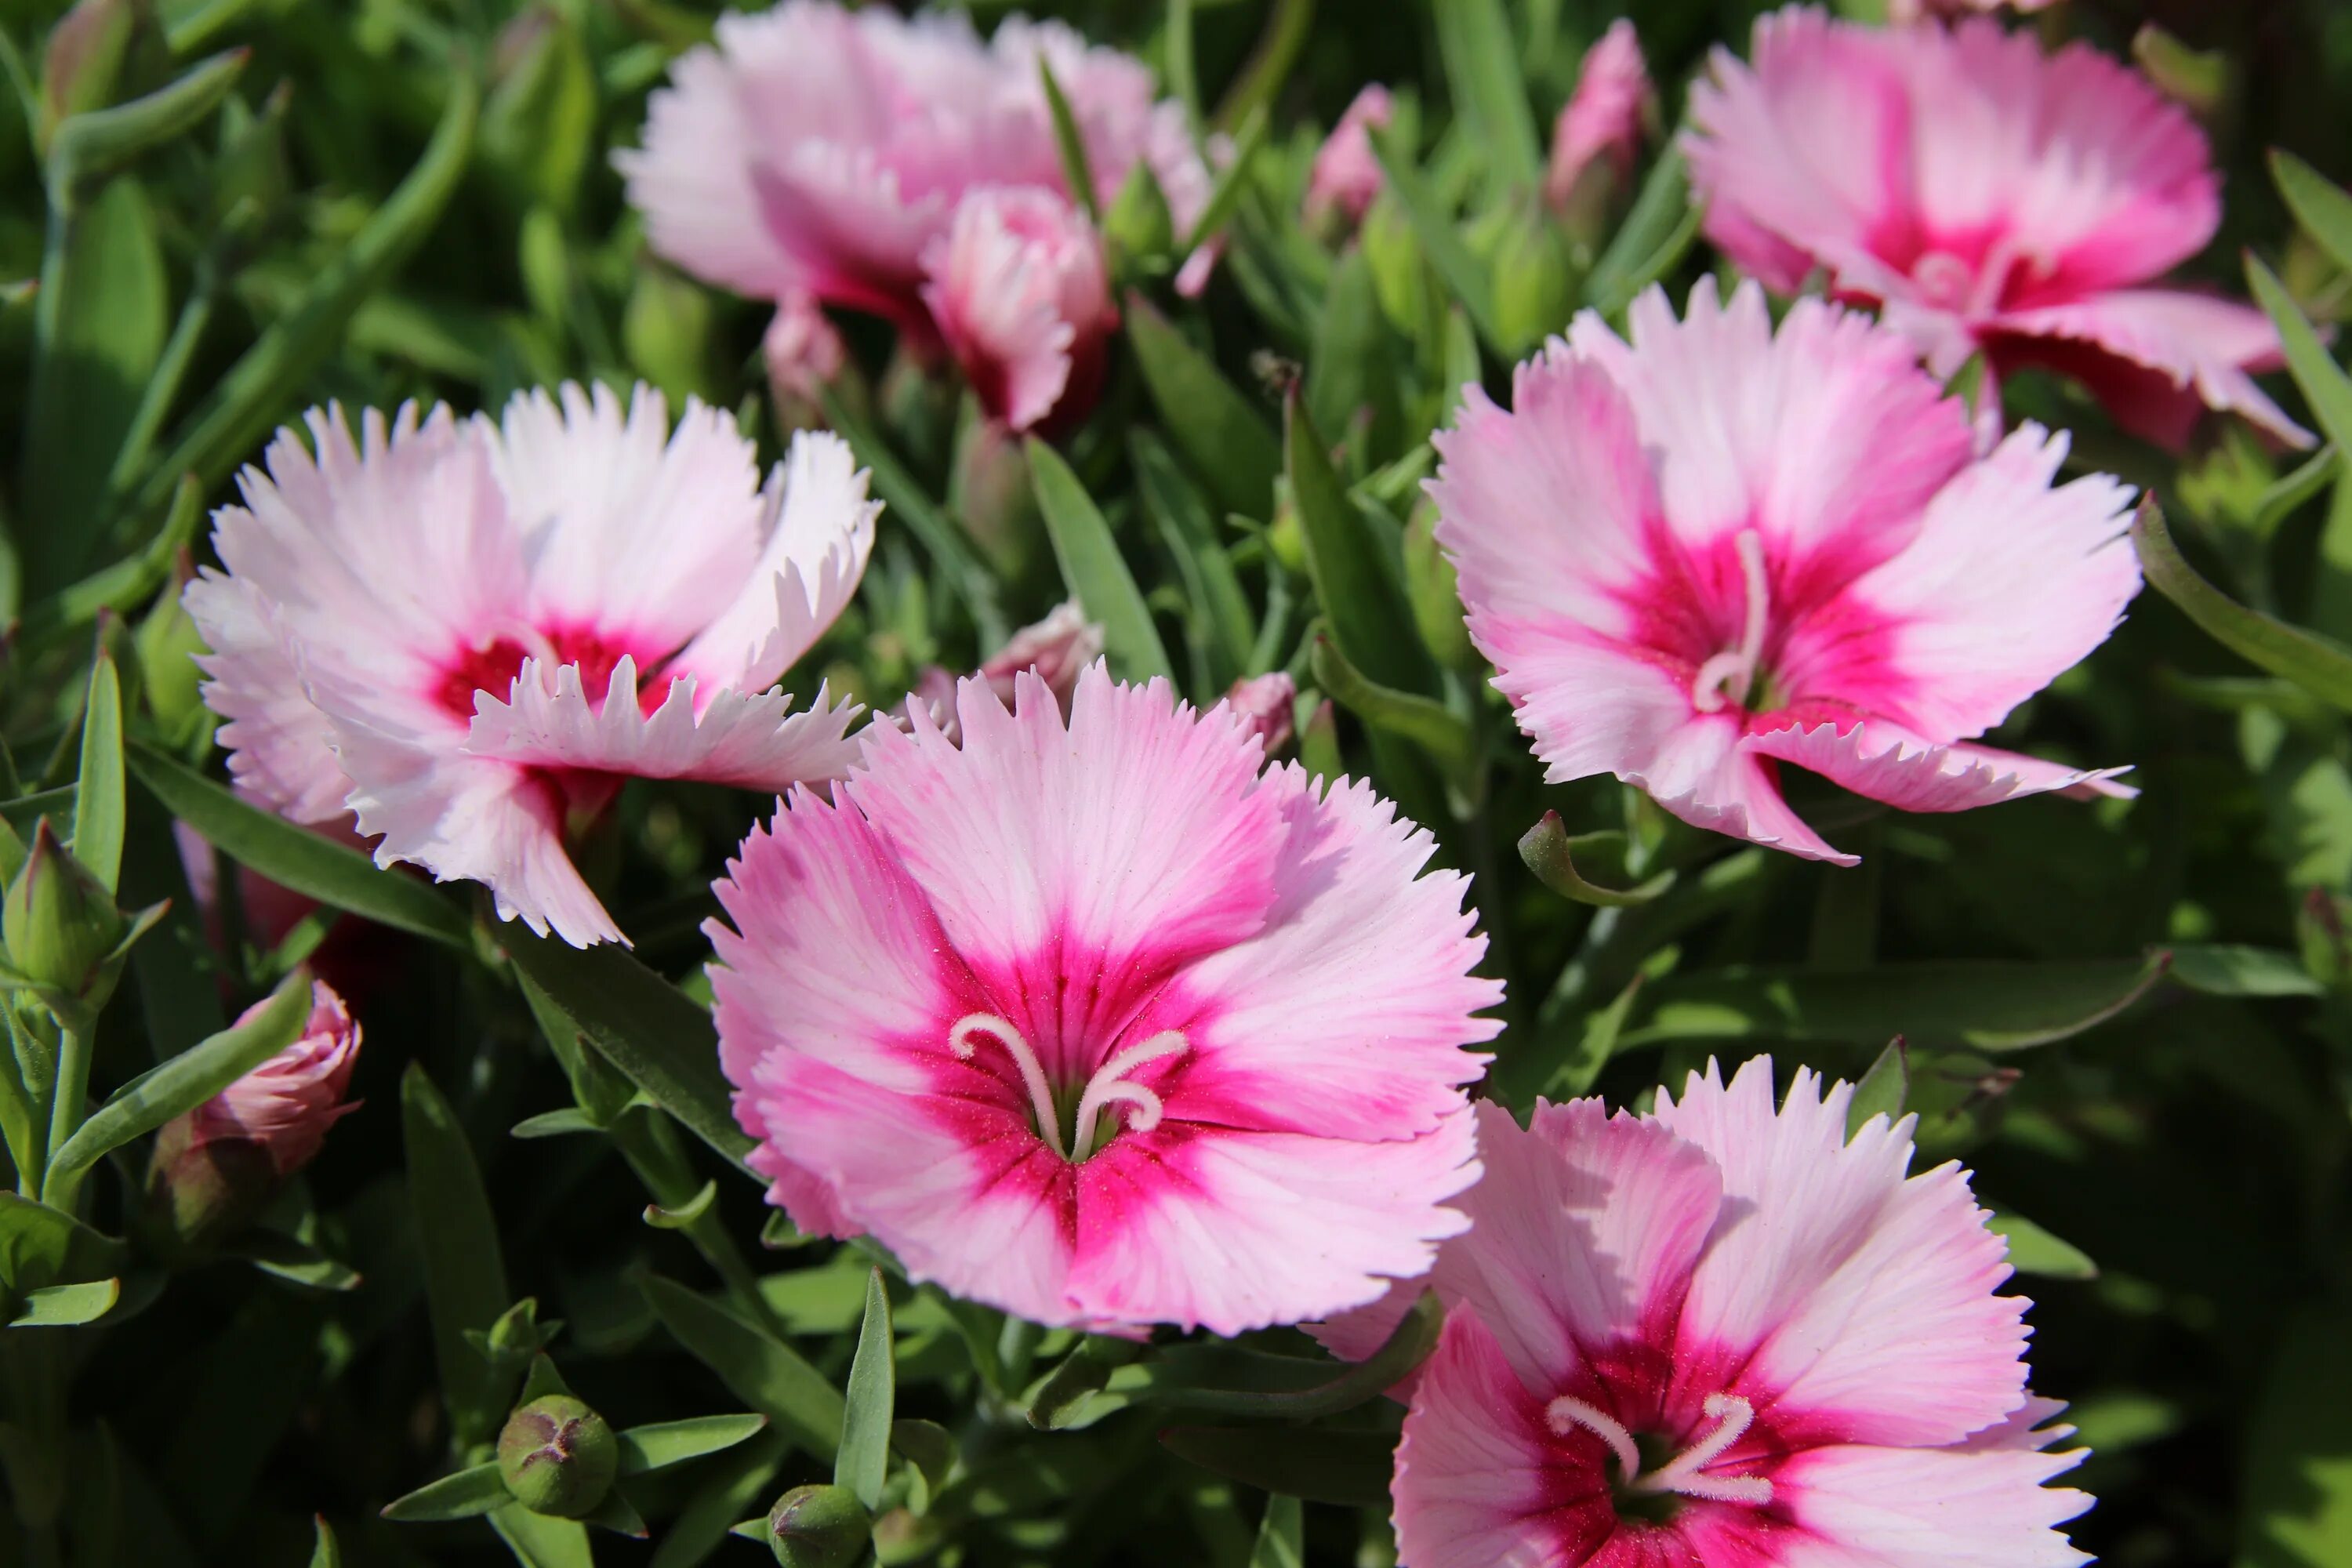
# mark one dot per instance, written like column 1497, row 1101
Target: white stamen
column 1727, row 675
column 1032, row 1072
column 1107, row 1085
column 1680, row 1474
column 1567, row 1414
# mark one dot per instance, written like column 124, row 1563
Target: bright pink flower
column 1267, row 704
column 467, row 633
column 1018, row 288
column 830, row 151
column 1599, row 132
column 285, row 1106
column 1100, row 1024
column 1720, row 1336
column 1347, row 175
column 1717, row 547
column 1986, row 196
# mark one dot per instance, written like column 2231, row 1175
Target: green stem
column 653, row 1153
column 164, row 385
column 67, row 1103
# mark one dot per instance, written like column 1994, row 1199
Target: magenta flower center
column 1683, row 1474
column 1107, row 1086
column 1730, row 676
column 491, row 664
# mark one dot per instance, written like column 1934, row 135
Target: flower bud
column 59, row 922
column 1265, row 703
column 1346, row 175
column 1534, row 290
column 1410, row 295
column 805, row 355
column 1600, row 133
column 558, row 1457
column 214, row 1165
column 83, row 58
column 819, row 1527
column 1431, row 590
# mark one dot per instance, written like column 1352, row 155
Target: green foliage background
column 2135, row 1021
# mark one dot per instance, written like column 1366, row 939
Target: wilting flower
column 1719, row 548
column 1723, row 1337
column 1019, row 290
column 468, row 634
column 214, row 1165
column 1599, row 132
column 1346, row 175
column 1266, row 703
column 1100, row 1024
column 831, row 151
column 1988, row 198
column 1056, row 649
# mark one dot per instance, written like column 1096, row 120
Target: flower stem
column 66, row 1102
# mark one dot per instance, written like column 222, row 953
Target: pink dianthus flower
column 1101, row 1022
column 1720, row 547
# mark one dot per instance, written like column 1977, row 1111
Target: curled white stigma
column 1682, row 1474
column 1726, row 677
column 1109, row 1083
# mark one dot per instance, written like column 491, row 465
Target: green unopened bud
column 167, row 644
column 558, row 1457
column 1407, row 289
column 250, row 181
column 1137, row 225
column 1430, row 587
column 59, row 922
column 819, row 1527
column 83, row 59
column 1534, row 288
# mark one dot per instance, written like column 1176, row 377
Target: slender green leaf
column 2282, row 500
column 1229, row 1382
column 41, row 1246
column 1281, row 1535
column 667, row 1443
column 735, row 1485
column 1982, row 1006
column 2033, row 1251
column 683, row 1215
column 1223, row 436
column 649, row 1029
column 1424, row 721
column 765, row 1373
column 471, row 1491
column 1232, row 181
column 1882, row 1090
column 326, row 1552
column 1467, row 277
column 1363, row 603
column 965, row 574
column 127, row 581
column 1560, row 1068
column 252, row 397
column 1552, row 854
column 1662, row 208
column 1652, row 267
column 862, row 1463
column 2322, row 207
column 67, row 1306
column 2325, row 385
column 538, row 1540
column 184, row 1082
column 1348, row 1470
column 1075, row 171
column 275, row 1252
column 2222, row 970
column 1093, row 568
column 98, row 801
column 1482, row 67
column 464, row 1280
column 2321, row 666
column 296, row 857
column 1220, row 608
column 92, row 147
column 554, row 1123
column 1261, row 78
column 1350, row 373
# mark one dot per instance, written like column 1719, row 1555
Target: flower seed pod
column 819, row 1527
column 558, row 1457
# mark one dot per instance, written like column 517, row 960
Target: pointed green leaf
column 184, row 1082
column 465, row 1280
column 1482, row 67
column 41, row 1246
column 275, row 1252
column 765, row 1373
column 862, row 1463
column 65, row 1306
column 1551, row 853
column 1220, row 610
column 1348, row 1470
column 2033, row 1251
column 1069, row 143
column 97, row 798
column 648, row 1028
column 1093, row 568
column 91, row 147
column 2221, row 969
column 1287, row 27
column 539, row 1542
column 2325, row 385
column 1281, row 1535
column 733, row 1486
column 297, row 859
column 1645, row 244
column 1224, row 438
column 685, row 1213
column 1882, row 1090
column 2321, row 666
column 1232, row 181
column 554, row 1123
column 471, row 1491
column 2322, row 207
column 615, row 1515
column 667, row 1443
column 1467, row 277
column 1220, row 1379
column 1355, row 582
column 326, row 1554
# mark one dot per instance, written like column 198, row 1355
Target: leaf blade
column 1094, row 570
column 861, row 1462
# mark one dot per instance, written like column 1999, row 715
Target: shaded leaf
column 1348, row 1470
column 1881, row 1091
column 1281, row 1536
column 65, row 1306
column 665, row 1443
column 539, row 1541
column 2033, row 1251
column 98, row 797
column 861, row 1462
column 2296, row 1491
column 2321, row 666
column 2218, row 969
column 764, row 1373
column 1482, row 67
column 1551, row 853
column 1093, row 568
column 475, row 1489
column 1224, row 439
column 1362, row 601
column 465, row 1280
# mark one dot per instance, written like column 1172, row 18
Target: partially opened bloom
column 1056, row 649
column 1719, row 548
column 1599, row 133
column 819, row 149
column 1721, row 1336
column 1346, row 175
column 1988, row 197
column 1097, row 1022
column 468, row 634
column 1267, row 704
column 1019, row 290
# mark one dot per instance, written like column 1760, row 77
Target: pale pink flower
column 1056, row 649
column 1096, row 1022
column 467, row 632
column 802, row 349
column 1346, row 176
column 1018, row 289
column 1986, row 197
column 1725, row 1337
column 827, row 149
column 1719, row 548
column 1599, row 133
column 1267, row 704
column 285, row 1106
